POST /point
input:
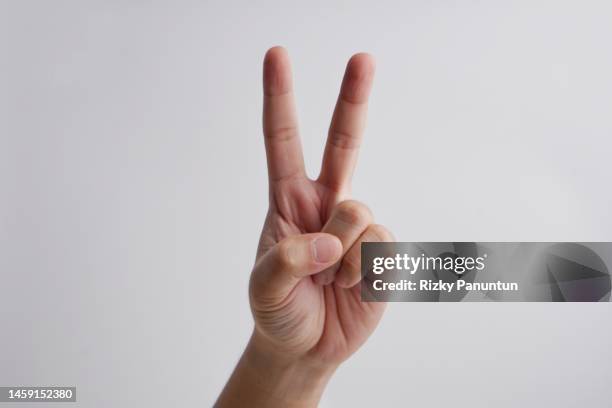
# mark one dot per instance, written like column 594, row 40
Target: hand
column 304, row 290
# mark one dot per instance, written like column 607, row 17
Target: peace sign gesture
column 304, row 289
column 280, row 126
column 302, row 203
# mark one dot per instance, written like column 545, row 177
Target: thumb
column 280, row 269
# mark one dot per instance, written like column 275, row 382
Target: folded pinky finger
column 349, row 273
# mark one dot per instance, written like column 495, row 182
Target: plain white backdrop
column 133, row 188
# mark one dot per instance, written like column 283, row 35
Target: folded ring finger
column 348, row 221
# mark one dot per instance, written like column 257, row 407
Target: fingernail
column 325, row 249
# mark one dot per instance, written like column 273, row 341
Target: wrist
column 298, row 380
column 265, row 377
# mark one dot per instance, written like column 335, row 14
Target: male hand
column 304, row 289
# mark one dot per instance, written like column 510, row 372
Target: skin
column 304, row 289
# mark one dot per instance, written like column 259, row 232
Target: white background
column 133, row 188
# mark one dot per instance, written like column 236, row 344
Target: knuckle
column 379, row 233
column 354, row 212
column 285, row 255
column 343, row 139
column 282, row 134
column 352, row 261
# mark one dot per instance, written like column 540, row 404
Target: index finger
column 348, row 123
column 280, row 125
